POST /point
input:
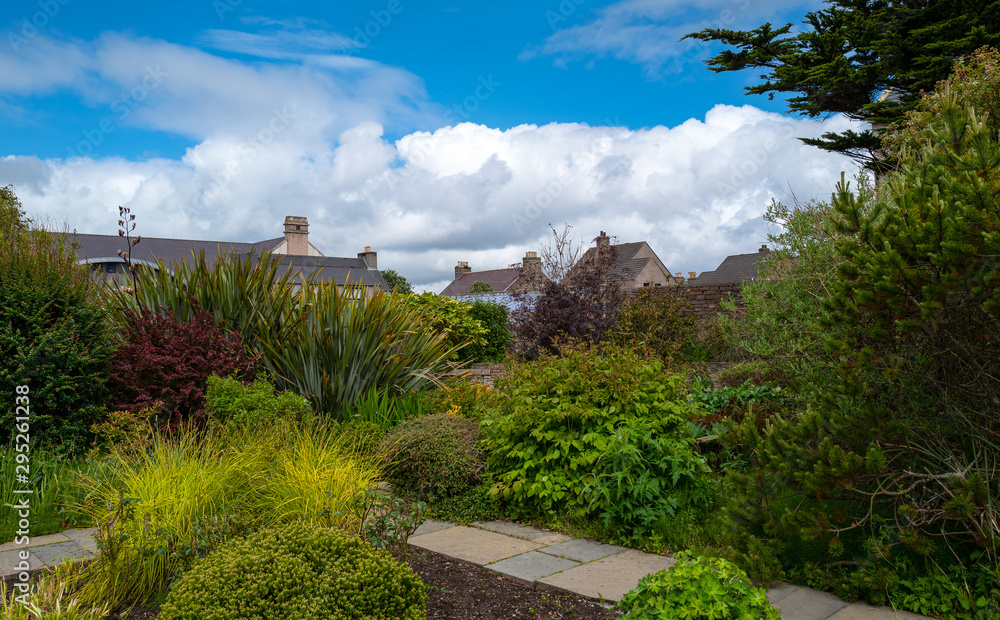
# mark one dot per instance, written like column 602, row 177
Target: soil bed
column 458, row 590
column 464, row 591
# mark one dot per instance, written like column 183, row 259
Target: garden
column 253, row 446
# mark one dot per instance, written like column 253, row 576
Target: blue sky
column 432, row 131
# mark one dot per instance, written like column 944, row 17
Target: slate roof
column 627, row 267
column 104, row 248
column 341, row 270
column 735, row 269
column 499, row 279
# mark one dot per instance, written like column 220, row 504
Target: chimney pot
column 296, row 235
column 763, row 249
column 692, row 275
column 370, row 258
column 532, row 265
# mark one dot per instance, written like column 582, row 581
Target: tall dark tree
column 867, row 59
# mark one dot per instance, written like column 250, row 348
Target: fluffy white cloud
column 696, row 191
column 649, row 32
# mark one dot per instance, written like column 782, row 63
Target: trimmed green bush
column 299, row 572
column 229, row 400
column 698, row 588
column 433, row 456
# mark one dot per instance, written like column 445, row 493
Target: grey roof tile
column 499, row 279
column 735, row 269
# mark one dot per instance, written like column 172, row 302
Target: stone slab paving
column 534, row 534
column 582, row 550
column 47, row 551
column 529, row 567
column 610, row 577
column 863, row 611
column 525, row 554
column 472, row 544
column 808, row 604
column 431, row 525
column 599, row 571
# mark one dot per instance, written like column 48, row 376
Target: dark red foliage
column 583, row 306
column 169, row 361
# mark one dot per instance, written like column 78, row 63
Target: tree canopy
column 867, row 59
column 397, row 282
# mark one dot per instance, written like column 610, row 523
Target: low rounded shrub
column 433, row 456
column 698, row 588
column 297, row 571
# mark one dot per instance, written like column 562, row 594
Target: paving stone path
column 545, row 559
column 528, row 555
column 47, row 551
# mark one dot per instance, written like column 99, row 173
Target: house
column 294, row 251
column 734, row 270
column 636, row 264
column 525, row 278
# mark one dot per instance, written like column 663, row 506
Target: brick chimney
column 370, row 258
column 692, row 275
column 461, row 269
column 297, row 235
column 603, row 240
column 532, row 265
column 763, row 250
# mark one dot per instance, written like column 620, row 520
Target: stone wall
column 704, row 300
column 482, row 373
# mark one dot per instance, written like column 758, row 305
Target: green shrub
column 461, row 397
column 756, row 372
column 130, row 432
column 347, row 344
column 244, row 293
column 361, row 437
column 328, row 343
column 493, row 345
column 151, row 504
column 433, row 456
column 450, row 318
column 299, row 572
column 167, row 362
column 386, row 411
column 595, row 434
column 656, row 322
column 54, row 336
column 698, row 588
column 230, row 401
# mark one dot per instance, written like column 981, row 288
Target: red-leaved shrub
column 169, row 361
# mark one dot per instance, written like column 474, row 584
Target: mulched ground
column 459, row 590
